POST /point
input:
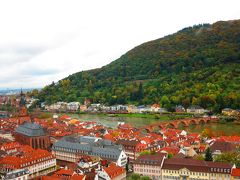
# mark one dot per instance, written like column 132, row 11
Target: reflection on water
column 224, row 129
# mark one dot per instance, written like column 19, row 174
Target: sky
column 42, row 41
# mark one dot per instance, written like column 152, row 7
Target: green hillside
column 197, row 65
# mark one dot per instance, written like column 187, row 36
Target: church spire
column 22, row 99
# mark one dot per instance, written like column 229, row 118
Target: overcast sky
column 46, row 40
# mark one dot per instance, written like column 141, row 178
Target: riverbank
column 140, row 120
column 164, row 116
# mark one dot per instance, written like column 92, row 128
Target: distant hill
column 197, row 65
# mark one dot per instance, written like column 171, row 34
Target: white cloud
column 43, row 41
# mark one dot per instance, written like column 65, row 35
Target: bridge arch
column 201, row 121
column 148, row 130
column 161, row 126
column 182, row 123
column 207, row 120
column 193, row 122
column 172, row 125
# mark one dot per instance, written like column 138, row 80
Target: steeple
column 22, row 99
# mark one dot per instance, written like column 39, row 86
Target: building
column 73, row 106
column 87, row 163
column 33, row 135
column 37, row 162
column 118, row 108
column 196, row 109
column 10, row 147
column 20, row 174
column 64, row 174
column 112, row 172
column 235, row 174
column 219, row 147
column 179, row 108
column 155, row 107
column 131, row 148
column 83, row 108
column 191, row 169
column 22, row 110
column 149, row 165
column 71, row 149
column 229, row 112
column 3, row 114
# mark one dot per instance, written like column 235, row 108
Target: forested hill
column 197, row 65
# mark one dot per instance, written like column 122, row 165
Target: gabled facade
column 149, row 165
column 112, row 172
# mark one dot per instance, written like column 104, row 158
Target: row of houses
column 231, row 112
column 62, row 106
column 22, row 161
column 155, row 108
column 159, row 167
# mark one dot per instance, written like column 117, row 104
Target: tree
column 165, row 101
column 145, row 152
column 138, row 177
column 127, row 168
column 145, row 178
column 207, row 133
column 170, row 156
column 208, row 155
column 231, row 157
column 200, row 158
column 134, row 177
column 140, row 91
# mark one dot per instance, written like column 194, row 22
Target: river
column 225, row 129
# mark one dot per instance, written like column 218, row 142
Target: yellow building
column 229, row 112
column 191, row 169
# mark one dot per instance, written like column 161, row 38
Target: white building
column 73, row 106
column 20, row 174
column 112, row 172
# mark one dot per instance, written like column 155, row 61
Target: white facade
column 122, row 159
column 73, row 106
column 20, row 174
column 41, row 166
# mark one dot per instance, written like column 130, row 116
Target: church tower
column 22, row 112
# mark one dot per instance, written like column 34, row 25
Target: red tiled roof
column 50, row 178
column 78, row 177
column 170, row 150
column 66, row 172
column 113, row 170
column 236, row 172
column 156, row 105
column 21, row 162
column 64, row 117
column 10, row 145
column 151, row 159
column 108, row 137
column 196, row 165
column 223, row 146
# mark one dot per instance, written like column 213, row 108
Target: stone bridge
column 176, row 123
